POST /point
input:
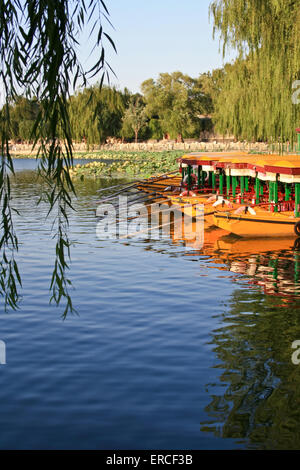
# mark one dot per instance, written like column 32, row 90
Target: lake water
column 172, row 347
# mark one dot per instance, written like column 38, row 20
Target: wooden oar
column 162, row 187
column 142, row 195
column 156, row 197
column 153, row 178
column 142, row 199
column 138, row 182
column 117, row 186
column 113, row 196
column 153, row 184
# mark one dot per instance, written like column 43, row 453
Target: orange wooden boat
column 258, row 196
column 263, row 190
column 262, row 224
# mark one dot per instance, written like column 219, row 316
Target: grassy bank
column 127, row 163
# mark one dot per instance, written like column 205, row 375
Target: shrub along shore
column 126, row 163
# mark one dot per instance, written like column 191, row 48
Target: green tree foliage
column 96, row 114
column 256, row 95
column 23, row 116
column 135, row 117
column 38, row 54
column 155, row 128
column 175, row 104
column 178, row 102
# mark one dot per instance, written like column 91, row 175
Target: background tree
column 96, row 114
column 178, row 101
column 135, row 117
column 23, row 116
column 256, row 96
column 109, row 112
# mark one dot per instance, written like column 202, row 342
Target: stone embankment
column 23, row 149
column 187, row 146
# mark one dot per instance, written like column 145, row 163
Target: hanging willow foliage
column 38, row 53
column 256, row 93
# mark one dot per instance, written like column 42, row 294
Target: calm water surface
column 172, row 347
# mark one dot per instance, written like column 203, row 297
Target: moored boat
column 262, row 224
column 264, row 192
column 248, row 195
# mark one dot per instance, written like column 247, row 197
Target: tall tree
column 135, row 117
column 96, row 114
column 256, row 97
column 179, row 102
column 23, row 116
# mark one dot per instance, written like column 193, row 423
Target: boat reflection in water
column 271, row 263
column 256, row 399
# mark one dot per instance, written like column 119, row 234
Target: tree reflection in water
column 256, row 399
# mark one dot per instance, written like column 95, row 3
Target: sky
column 157, row 36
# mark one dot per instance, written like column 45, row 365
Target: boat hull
column 261, row 225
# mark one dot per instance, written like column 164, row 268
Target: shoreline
column 82, row 150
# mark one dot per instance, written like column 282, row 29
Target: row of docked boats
column 247, row 195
